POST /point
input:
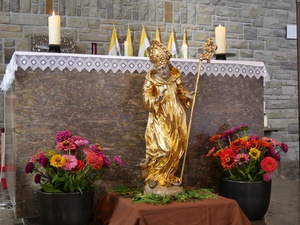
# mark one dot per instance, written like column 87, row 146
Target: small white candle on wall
column 125, row 48
column 220, row 33
column 54, row 29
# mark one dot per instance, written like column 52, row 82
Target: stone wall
column 256, row 31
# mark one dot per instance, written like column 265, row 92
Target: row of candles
column 55, row 37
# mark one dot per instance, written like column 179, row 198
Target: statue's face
column 163, row 71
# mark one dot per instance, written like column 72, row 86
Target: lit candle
column 125, row 48
column 185, row 51
column 54, row 29
column 220, row 33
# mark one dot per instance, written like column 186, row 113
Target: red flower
column 227, row 158
column 268, row 164
column 80, row 166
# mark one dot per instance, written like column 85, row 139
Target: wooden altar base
column 115, row 210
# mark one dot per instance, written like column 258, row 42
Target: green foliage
column 137, row 196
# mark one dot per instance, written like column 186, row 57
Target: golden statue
column 164, row 97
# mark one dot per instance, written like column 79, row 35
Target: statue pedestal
column 163, row 190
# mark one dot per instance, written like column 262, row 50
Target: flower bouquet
column 246, row 158
column 72, row 167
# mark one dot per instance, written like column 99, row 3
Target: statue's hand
column 160, row 97
column 189, row 95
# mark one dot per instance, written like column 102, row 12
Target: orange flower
column 215, row 137
column 96, row 161
column 237, row 144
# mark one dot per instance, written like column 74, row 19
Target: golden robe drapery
column 166, row 132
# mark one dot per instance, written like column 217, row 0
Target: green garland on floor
column 137, row 196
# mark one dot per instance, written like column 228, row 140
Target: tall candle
column 54, row 29
column 185, row 51
column 220, row 33
column 125, row 48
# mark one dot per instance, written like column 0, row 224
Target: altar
column 100, row 97
column 115, row 210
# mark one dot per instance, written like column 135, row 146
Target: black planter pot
column 66, row 208
column 252, row 197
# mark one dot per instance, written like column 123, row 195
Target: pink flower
column 81, row 143
column 66, row 145
column 36, row 157
column 118, row 160
column 71, row 162
column 242, row 158
column 210, row 152
column 267, row 177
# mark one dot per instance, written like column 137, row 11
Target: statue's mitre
column 158, row 53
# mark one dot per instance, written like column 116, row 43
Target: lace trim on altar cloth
column 80, row 62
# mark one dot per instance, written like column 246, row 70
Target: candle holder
column 54, row 48
column 221, row 56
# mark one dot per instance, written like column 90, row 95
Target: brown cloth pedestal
column 115, row 210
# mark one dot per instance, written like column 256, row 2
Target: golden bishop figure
column 164, row 97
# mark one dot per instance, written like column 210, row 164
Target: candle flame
column 53, row 13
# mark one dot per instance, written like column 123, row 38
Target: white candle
column 220, row 33
column 125, row 48
column 54, row 29
column 185, row 51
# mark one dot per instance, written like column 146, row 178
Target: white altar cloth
column 80, row 62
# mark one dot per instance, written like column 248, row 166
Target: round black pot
column 66, row 208
column 252, row 197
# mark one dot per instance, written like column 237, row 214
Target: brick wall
column 256, row 31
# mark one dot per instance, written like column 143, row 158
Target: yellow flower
column 245, row 138
column 57, row 161
column 254, row 153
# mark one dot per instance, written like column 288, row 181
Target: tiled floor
column 284, row 207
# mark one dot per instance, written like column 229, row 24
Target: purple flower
column 63, row 135
column 43, row 160
column 267, row 177
column 118, row 160
column 105, row 160
column 37, row 178
column 236, row 129
column 274, row 154
column 253, row 137
column 244, row 127
column 29, row 167
column 227, row 134
column 284, row 147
